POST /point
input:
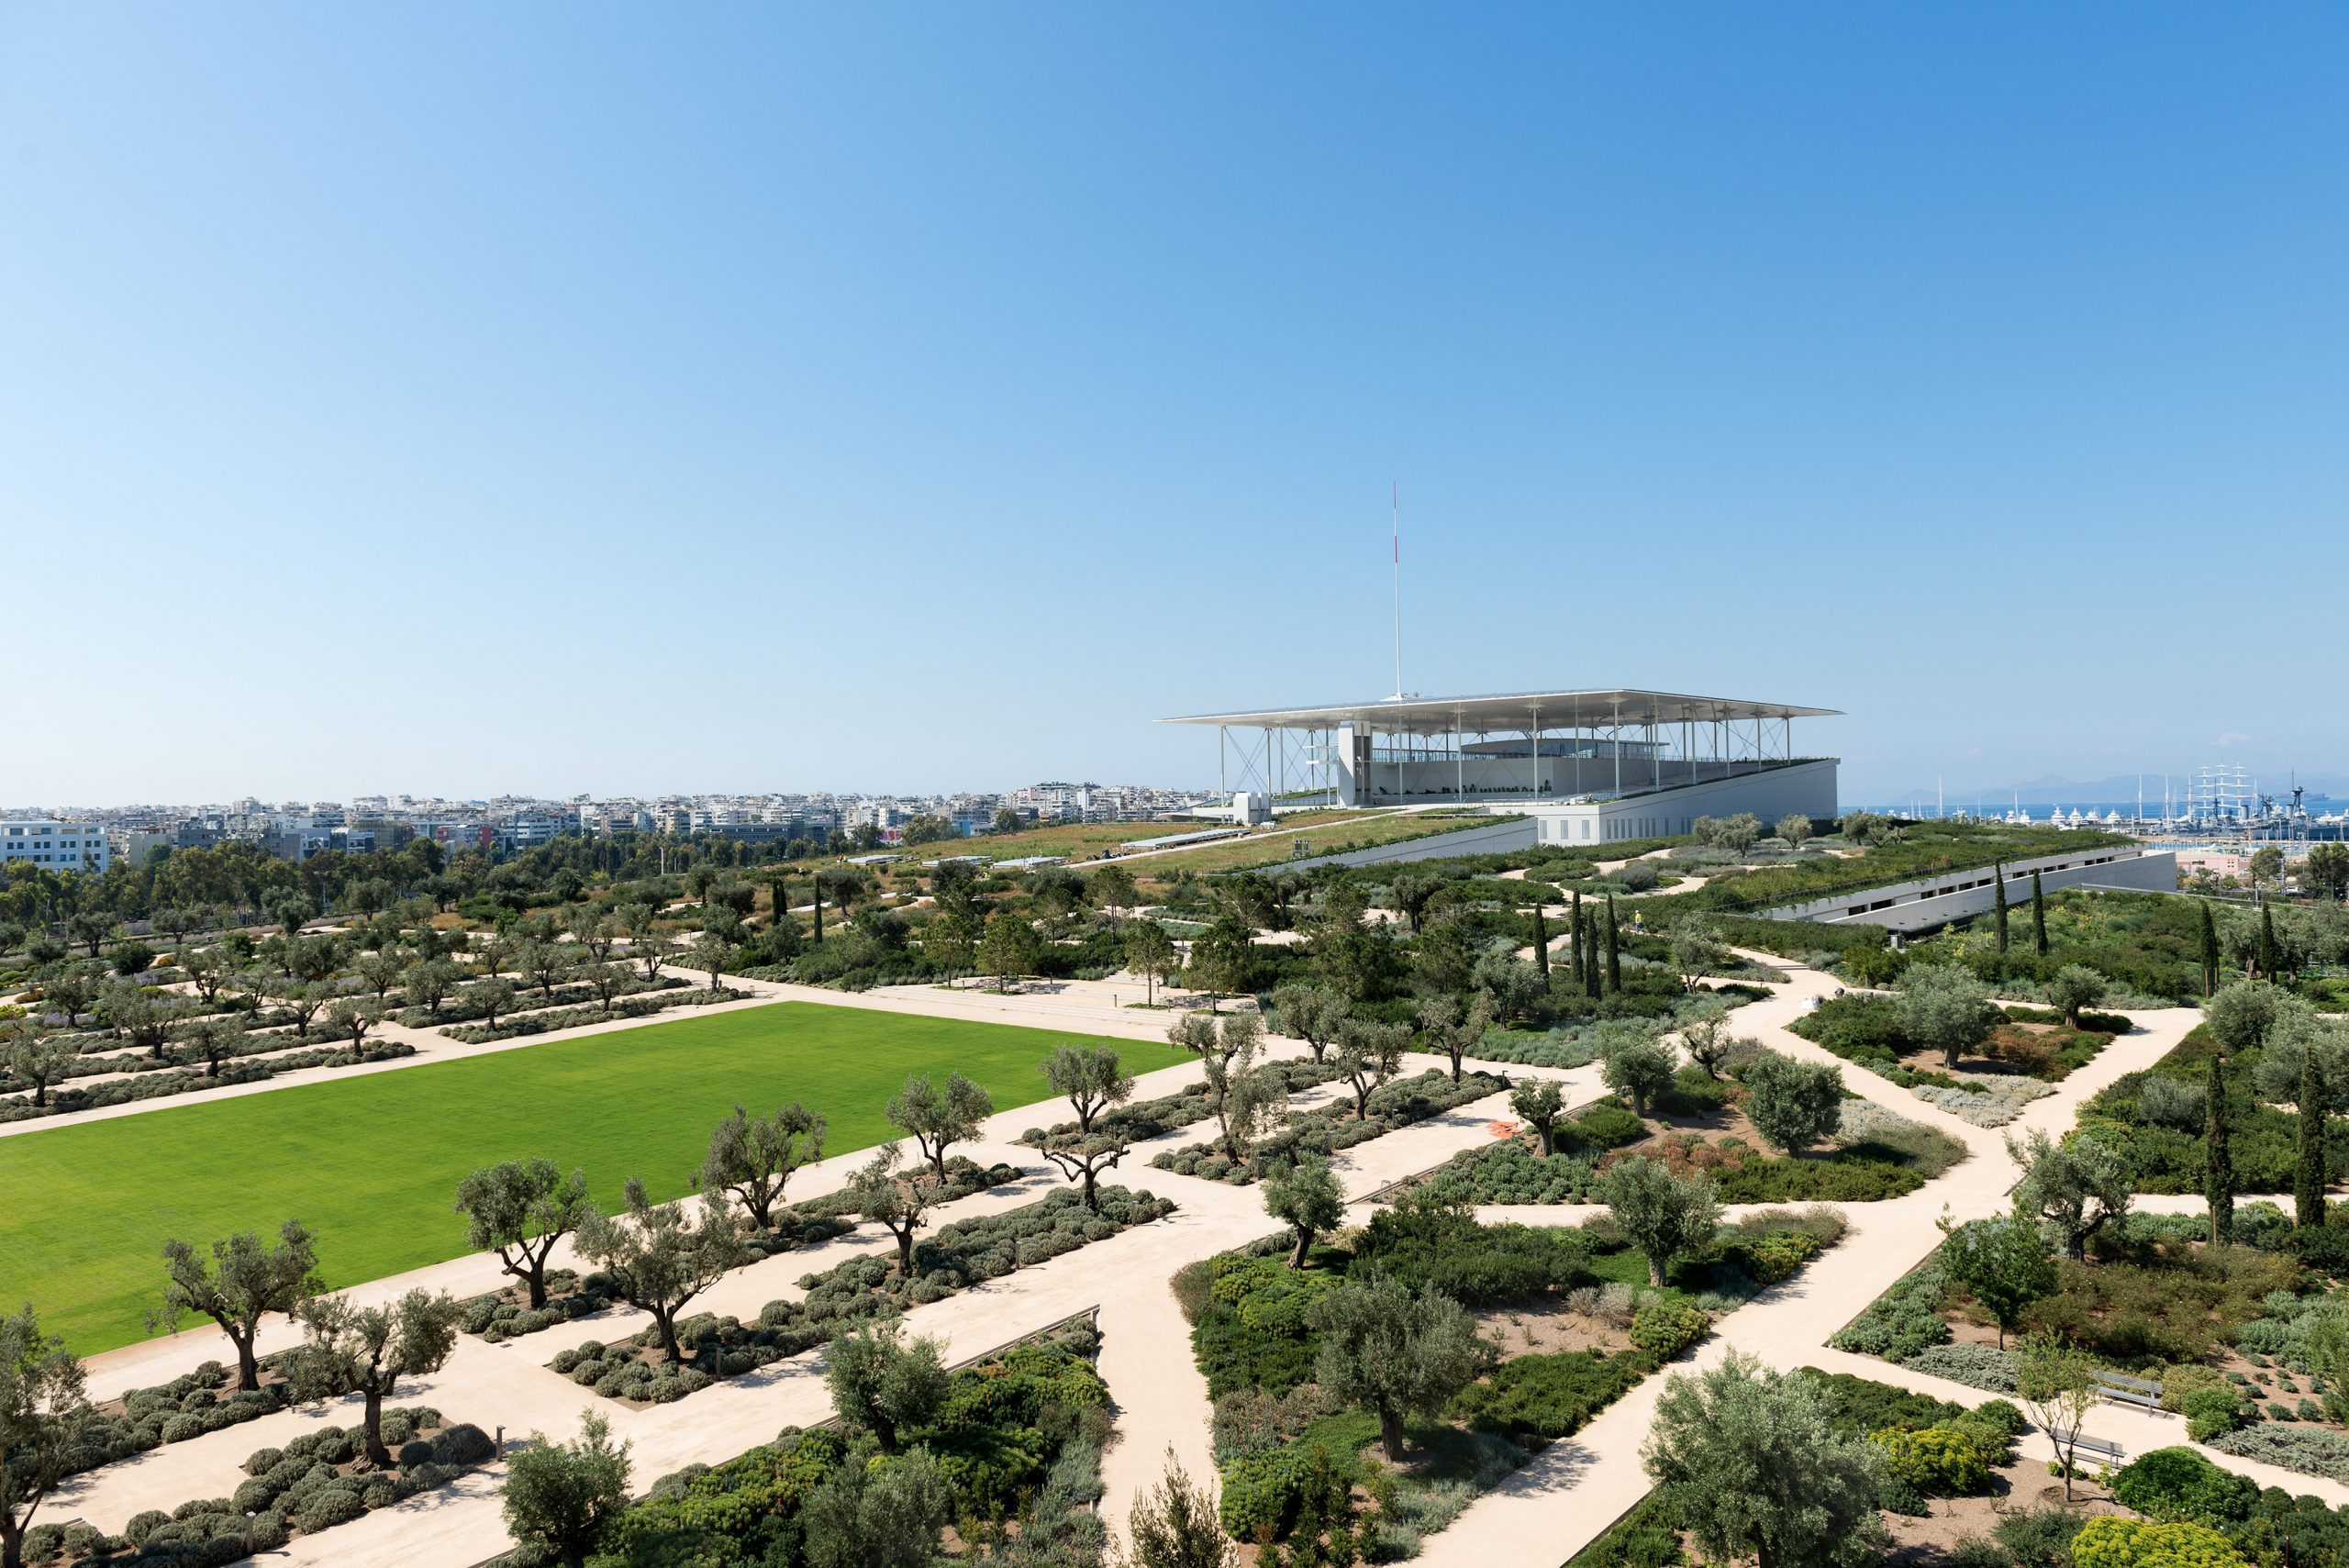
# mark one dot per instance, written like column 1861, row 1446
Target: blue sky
column 450, row 398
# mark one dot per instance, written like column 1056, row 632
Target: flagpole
column 1396, row 499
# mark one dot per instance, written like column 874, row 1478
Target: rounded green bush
column 143, row 1525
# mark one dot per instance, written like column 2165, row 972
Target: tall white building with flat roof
column 60, row 846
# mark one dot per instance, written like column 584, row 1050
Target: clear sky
column 456, row 398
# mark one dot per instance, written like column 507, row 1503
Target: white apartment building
column 61, row 846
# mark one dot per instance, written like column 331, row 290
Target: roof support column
column 1222, row 772
column 1615, row 742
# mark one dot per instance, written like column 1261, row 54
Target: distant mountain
column 2054, row 789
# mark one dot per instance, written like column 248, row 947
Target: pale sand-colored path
column 1567, row 1495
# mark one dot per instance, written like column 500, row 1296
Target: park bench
column 2098, row 1449
column 2123, row 1390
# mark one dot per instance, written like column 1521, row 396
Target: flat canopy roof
column 1521, row 711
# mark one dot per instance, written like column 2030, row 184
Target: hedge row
column 1153, row 1118
column 635, row 1007
column 502, row 1315
column 180, row 1081
column 1326, row 1131
column 957, row 1257
column 296, row 1490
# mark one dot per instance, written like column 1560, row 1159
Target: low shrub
column 1941, row 1462
column 2113, row 1542
column 1327, row 1130
column 1903, row 1321
column 1547, row 1397
column 1976, row 1366
column 1661, row 1331
column 2179, row 1484
column 2312, row 1450
column 951, row 1260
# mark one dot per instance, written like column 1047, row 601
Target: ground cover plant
column 315, row 1481
column 946, row 1263
column 368, row 1164
column 1007, row 1451
column 1326, row 1130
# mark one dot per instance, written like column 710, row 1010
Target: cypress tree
column 1540, row 946
column 2218, row 1163
column 1590, row 971
column 1574, row 932
column 2267, row 941
column 1998, row 896
column 2038, row 916
column 1614, row 950
column 2209, row 952
column 818, row 888
column 2307, row 1178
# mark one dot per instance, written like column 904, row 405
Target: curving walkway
column 1567, row 1496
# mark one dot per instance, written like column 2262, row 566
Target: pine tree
column 1614, row 950
column 2218, row 1163
column 1998, row 893
column 2307, row 1178
column 2209, row 952
column 1540, row 946
column 2267, row 941
column 2038, row 916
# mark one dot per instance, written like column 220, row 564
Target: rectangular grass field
column 371, row 1164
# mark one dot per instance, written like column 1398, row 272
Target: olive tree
column 936, row 1120
column 1792, row 1104
column 1394, row 1352
column 1306, row 1196
column 2074, row 989
column 884, row 1384
column 1944, row 1007
column 1369, row 1054
column 1541, row 1103
column 896, row 1198
column 2076, row 1186
column 39, row 1058
column 367, row 1350
column 243, row 1281
column 1453, row 1032
column 1639, row 1069
column 43, row 1410
column 753, row 1157
column 661, row 1258
column 560, row 1497
column 1092, row 1076
column 1752, row 1464
column 520, row 1210
column 1310, row 1013
column 1664, row 1216
column 876, row 1516
column 1795, row 828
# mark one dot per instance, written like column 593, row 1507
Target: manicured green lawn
column 371, row 1164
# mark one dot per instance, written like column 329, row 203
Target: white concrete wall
column 1931, row 901
column 1806, row 788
